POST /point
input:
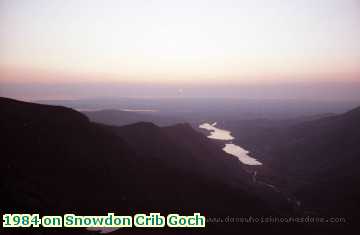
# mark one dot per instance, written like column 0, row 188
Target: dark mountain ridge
column 317, row 160
column 54, row 161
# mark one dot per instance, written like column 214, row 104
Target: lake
column 230, row 147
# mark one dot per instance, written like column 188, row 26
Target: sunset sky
column 179, row 42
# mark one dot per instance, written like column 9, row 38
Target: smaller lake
column 216, row 133
column 230, row 148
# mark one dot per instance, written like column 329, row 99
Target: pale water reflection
column 216, row 133
column 241, row 154
column 230, row 148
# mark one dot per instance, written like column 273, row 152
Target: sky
column 187, row 43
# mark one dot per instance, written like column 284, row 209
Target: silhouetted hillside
column 53, row 161
column 324, row 155
column 317, row 160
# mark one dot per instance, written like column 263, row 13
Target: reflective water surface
column 230, row 148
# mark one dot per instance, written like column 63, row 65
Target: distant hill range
column 121, row 118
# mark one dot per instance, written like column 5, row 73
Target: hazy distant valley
column 305, row 163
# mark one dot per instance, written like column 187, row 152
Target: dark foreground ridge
column 55, row 161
